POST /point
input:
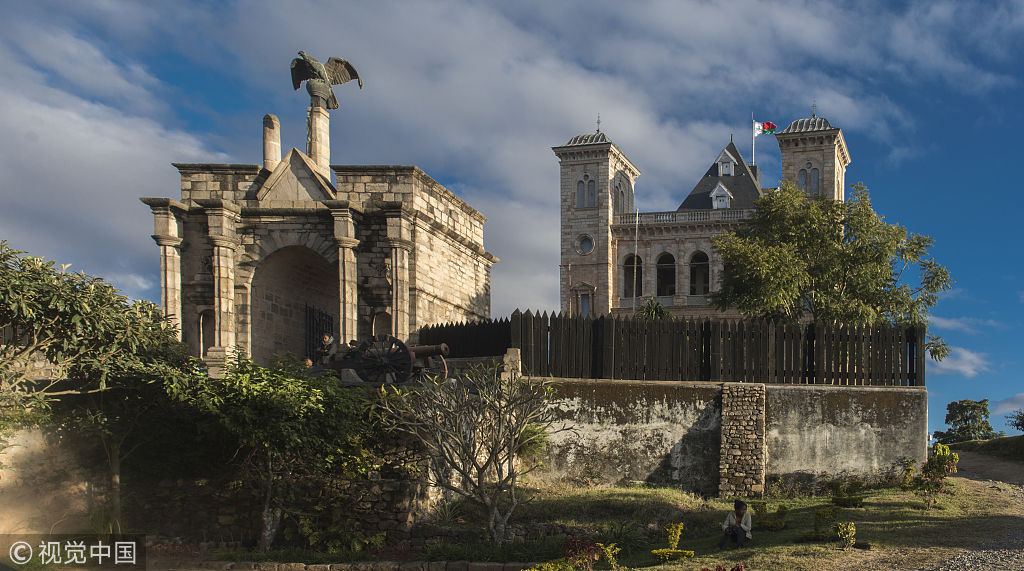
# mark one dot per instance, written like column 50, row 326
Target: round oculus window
column 586, row 245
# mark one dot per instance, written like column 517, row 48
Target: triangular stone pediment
column 295, row 178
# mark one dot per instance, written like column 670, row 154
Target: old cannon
column 386, row 359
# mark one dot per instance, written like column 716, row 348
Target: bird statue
column 319, row 77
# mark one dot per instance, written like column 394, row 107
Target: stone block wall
column 656, row 432
column 743, row 451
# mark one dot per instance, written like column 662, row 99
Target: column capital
column 224, row 242
column 164, row 240
column 399, row 243
column 345, row 242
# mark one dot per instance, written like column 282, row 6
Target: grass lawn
column 1010, row 447
column 901, row 533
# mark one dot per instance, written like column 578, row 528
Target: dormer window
column 725, row 168
column 721, row 197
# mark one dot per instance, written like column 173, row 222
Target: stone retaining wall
column 743, row 453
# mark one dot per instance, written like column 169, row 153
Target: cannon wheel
column 384, row 359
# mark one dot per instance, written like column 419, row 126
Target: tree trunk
column 115, row 485
column 271, row 516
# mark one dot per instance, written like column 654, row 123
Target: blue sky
column 100, row 97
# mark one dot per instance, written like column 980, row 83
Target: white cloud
column 960, row 361
column 72, row 169
column 968, row 325
column 473, row 93
column 1008, row 405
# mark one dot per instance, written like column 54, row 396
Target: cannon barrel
column 421, row 351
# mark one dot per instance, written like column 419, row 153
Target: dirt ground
column 981, row 467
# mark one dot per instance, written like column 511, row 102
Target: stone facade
column 743, row 455
column 602, row 234
column 263, row 258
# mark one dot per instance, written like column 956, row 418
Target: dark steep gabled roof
column 743, row 185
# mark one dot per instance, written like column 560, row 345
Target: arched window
column 622, row 201
column 801, row 180
column 632, row 276
column 580, row 195
column 666, row 275
column 815, row 183
column 207, row 331
column 591, row 193
column 700, row 274
column 382, row 323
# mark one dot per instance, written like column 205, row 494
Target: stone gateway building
column 266, row 258
column 613, row 258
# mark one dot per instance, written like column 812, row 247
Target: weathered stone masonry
column 250, row 249
column 743, row 453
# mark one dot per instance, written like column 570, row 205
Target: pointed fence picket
column 610, row 347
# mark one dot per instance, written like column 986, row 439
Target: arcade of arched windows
column 694, row 274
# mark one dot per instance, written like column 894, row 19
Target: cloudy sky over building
column 100, row 97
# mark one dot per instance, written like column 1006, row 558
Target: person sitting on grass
column 737, row 526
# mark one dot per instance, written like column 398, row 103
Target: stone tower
column 814, row 156
column 596, row 187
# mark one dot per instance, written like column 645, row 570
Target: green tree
column 651, row 309
column 476, row 427
column 292, row 426
column 827, row 260
column 134, row 411
column 967, row 420
column 1016, row 419
column 85, row 329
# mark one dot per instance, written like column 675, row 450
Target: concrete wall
column 622, row 431
column 672, row 433
column 834, row 430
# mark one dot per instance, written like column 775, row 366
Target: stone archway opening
column 288, row 287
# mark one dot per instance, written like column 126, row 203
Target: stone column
column 348, row 284
column 400, row 287
column 224, row 289
column 221, row 219
column 399, row 238
column 271, row 142
column 318, row 141
column 170, row 278
column 167, row 230
column 744, row 454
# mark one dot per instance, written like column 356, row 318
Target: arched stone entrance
column 285, row 286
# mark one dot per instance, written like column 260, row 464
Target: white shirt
column 730, row 520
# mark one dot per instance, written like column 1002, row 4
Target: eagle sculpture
column 319, row 77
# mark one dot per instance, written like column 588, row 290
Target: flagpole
column 636, row 253
column 753, row 139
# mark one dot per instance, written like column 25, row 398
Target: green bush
column 765, row 520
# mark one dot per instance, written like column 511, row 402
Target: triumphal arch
column 266, row 258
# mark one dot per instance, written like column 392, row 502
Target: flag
column 764, row 128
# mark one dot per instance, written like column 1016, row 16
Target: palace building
column 613, row 259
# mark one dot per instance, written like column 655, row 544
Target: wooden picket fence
column 695, row 350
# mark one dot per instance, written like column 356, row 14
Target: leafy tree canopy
column 1016, row 419
column 291, row 425
column 967, row 420
column 87, row 331
column 802, row 257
